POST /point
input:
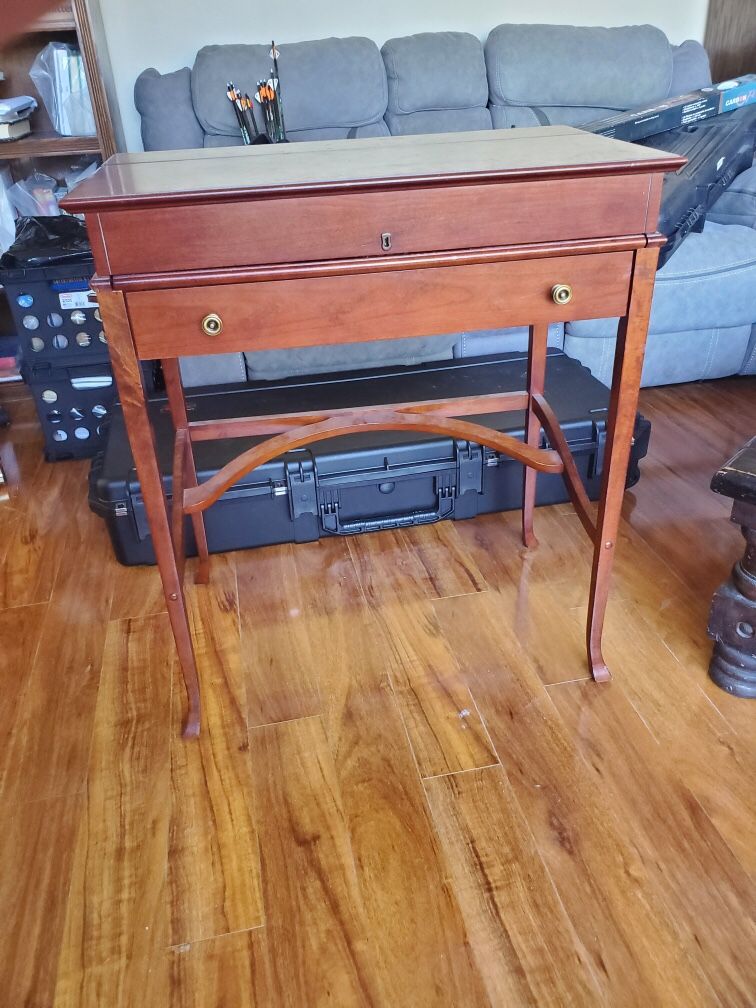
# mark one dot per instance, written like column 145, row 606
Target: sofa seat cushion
column 438, row 121
column 508, row 116
column 749, row 361
column 671, row 357
column 436, row 83
column 268, row 364
column 709, row 283
column 738, row 204
column 328, row 83
column 490, row 341
column 558, row 65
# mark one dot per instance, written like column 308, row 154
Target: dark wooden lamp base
column 732, row 620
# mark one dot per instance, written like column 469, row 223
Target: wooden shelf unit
column 78, row 23
column 59, row 19
column 47, row 143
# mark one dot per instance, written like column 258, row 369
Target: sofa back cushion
column 562, row 65
column 436, row 83
column 689, row 71
column 329, row 87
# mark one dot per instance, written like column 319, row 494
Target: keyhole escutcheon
column 386, row 241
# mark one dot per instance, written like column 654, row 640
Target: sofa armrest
column 709, row 283
column 164, row 101
column 738, row 204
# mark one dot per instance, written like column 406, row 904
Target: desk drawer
column 357, row 307
column 352, row 225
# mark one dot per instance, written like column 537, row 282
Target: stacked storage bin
column 64, row 356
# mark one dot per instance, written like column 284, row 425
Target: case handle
column 331, row 522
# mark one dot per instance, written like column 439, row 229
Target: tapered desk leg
column 623, row 403
column 536, row 377
column 175, row 389
column 128, row 375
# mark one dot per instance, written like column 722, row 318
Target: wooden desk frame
column 630, row 259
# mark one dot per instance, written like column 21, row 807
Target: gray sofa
column 703, row 322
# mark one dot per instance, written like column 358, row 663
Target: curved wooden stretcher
column 201, row 252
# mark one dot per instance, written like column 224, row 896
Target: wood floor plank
column 692, row 436
column 494, row 541
column 20, row 461
column 212, row 820
column 275, row 611
column 655, row 644
column 697, row 740
column 736, row 711
column 24, row 427
column 609, row 895
column 47, row 751
column 231, row 971
column 444, row 727
column 400, row 870
column 426, row 562
column 658, row 654
column 315, row 919
column 130, row 981
column 37, row 844
column 138, row 592
column 520, row 935
column 20, row 630
column 83, row 866
column 535, row 587
column 39, row 539
column 117, row 907
column 667, row 608
column 703, row 884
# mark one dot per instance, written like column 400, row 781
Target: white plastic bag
column 7, row 213
column 58, row 73
column 35, row 196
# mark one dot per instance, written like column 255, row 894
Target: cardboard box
column 682, row 110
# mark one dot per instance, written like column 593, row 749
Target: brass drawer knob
column 212, row 324
column 561, row 294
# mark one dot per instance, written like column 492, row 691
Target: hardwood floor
column 407, row 792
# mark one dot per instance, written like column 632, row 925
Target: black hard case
column 362, row 482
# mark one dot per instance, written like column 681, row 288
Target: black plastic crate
column 73, row 404
column 361, row 482
column 55, row 314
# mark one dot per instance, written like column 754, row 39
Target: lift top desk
column 201, row 252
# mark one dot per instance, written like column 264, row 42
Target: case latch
column 303, row 488
column 599, row 439
column 469, row 467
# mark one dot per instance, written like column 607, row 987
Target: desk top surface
column 236, row 173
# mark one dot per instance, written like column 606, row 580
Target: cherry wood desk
column 201, row 252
